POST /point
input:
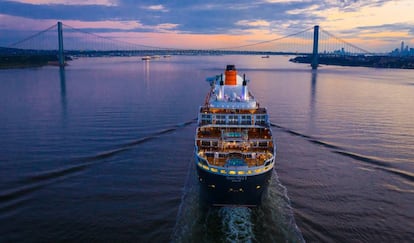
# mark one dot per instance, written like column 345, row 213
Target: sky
column 375, row 25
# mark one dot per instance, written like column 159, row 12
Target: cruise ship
column 234, row 147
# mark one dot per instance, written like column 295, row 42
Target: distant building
column 404, row 50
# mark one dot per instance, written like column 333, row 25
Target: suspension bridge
column 64, row 40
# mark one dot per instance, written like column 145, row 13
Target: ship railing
column 217, row 131
column 207, row 99
column 207, row 109
column 236, row 170
column 226, row 150
column 213, row 157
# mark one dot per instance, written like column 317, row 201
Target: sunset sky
column 377, row 25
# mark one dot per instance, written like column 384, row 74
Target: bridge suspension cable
column 332, row 44
column 20, row 44
column 265, row 42
column 76, row 39
column 108, row 43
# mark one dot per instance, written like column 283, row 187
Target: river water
column 102, row 151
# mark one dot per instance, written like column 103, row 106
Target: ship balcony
column 234, row 164
column 235, row 146
column 233, row 133
column 246, row 123
column 206, row 109
column 236, row 159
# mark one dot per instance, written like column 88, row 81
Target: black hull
column 220, row 190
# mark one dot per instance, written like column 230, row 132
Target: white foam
column 237, row 224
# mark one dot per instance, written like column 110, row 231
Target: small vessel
column 234, row 147
column 267, row 56
column 146, row 58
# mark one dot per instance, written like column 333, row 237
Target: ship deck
column 217, row 133
column 253, row 146
column 207, row 109
column 249, row 162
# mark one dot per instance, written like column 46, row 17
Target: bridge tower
column 60, row 38
column 314, row 63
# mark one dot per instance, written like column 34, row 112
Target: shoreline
column 406, row 62
column 394, row 62
column 28, row 61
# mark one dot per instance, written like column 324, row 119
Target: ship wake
column 237, row 224
column 15, row 196
column 377, row 163
column 273, row 221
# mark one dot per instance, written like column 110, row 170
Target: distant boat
column 146, row 58
column 267, row 56
column 167, row 56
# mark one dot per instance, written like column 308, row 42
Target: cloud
column 393, row 31
column 68, row 2
column 158, row 7
column 248, row 20
column 222, row 6
column 287, row 1
column 374, row 14
column 308, row 9
column 253, row 23
column 164, row 27
column 8, row 22
column 105, row 24
column 20, row 23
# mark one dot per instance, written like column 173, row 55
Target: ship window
column 262, row 144
column 206, row 118
column 260, row 119
column 205, row 143
column 233, row 119
column 209, row 155
column 220, row 119
column 246, row 120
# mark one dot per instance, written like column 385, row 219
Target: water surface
column 103, row 152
